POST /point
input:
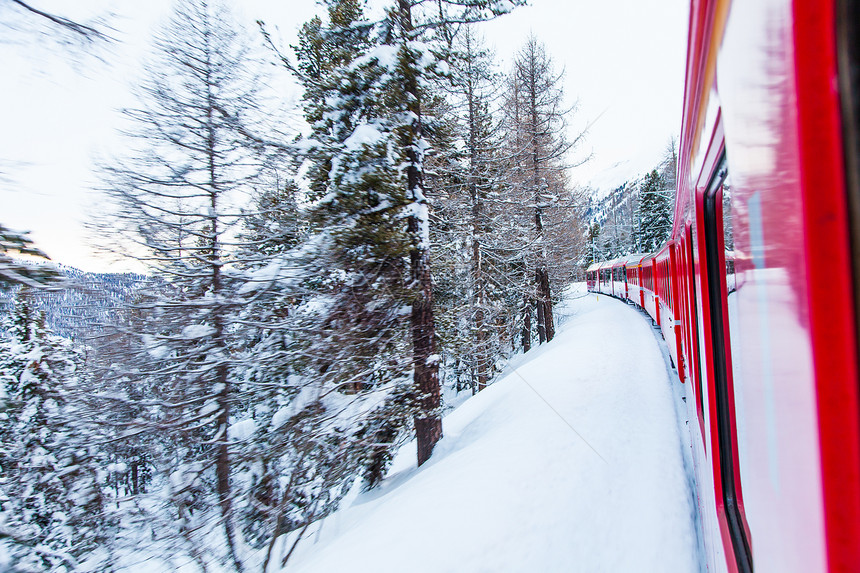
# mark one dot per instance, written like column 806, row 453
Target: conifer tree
column 655, row 212
column 52, row 498
column 374, row 214
column 412, row 80
column 14, row 273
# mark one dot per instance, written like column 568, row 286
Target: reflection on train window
column 728, row 236
column 720, row 245
column 731, row 223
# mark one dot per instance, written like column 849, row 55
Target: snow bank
column 572, row 462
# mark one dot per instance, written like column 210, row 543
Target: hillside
column 577, row 460
column 89, row 302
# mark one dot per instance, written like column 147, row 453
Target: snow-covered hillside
column 577, row 460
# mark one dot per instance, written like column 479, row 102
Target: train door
column 719, row 246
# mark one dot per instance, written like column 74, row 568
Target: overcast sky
column 623, row 60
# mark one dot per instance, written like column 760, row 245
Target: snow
column 241, row 431
column 262, row 277
column 154, row 347
column 385, row 56
column 197, row 331
column 365, row 134
column 210, row 407
column 576, row 460
column 502, row 6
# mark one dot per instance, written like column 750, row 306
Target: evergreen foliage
column 636, row 217
column 14, row 273
column 52, row 496
column 655, row 212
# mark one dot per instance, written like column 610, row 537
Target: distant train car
column 755, row 292
column 632, row 265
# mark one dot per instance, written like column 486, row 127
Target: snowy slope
column 575, row 461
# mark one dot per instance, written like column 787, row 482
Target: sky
column 59, row 103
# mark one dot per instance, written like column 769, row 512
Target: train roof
column 602, row 265
column 635, row 258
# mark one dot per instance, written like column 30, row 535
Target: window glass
column 734, row 334
column 728, row 236
column 720, row 215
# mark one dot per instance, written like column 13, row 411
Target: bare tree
column 178, row 194
column 538, row 150
column 81, row 31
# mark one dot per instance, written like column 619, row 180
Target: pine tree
column 655, row 212
column 369, row 149
column 14, row 273
column 52, row 496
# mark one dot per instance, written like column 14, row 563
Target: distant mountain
column 89, row 302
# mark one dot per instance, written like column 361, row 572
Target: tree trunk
column 527, row 325
column 481, row 360
column 541, row 310
column 428, row 399
column 546, row 301
column 222, row 378
column 481, row 350
column 546, row 330
column 428, row 420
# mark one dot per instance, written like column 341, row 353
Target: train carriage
column 649, row 295
column 666, row 302
column 762, row 188
column 633, row 271
column 755, row 291
column 619, row 281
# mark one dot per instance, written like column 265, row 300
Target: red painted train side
column 755, row 290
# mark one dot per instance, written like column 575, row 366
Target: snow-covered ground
column 576, row 460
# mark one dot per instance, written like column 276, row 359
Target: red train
column 755, row 292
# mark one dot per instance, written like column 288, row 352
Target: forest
column 322, row 284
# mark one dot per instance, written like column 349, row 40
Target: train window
column 693, row 324
column 719, row 242
column 728, row 236
column 666, row 295
column 848, row 51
